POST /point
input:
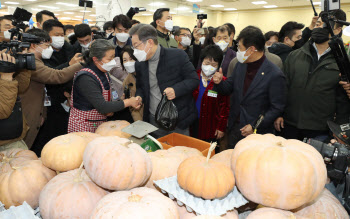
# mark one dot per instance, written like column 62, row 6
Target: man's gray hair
column 99, row 48
column 144, row 32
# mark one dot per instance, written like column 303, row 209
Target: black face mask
column 320, row 35
column 298, row 44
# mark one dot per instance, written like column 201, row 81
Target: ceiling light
column 85, row 11
column 146, row 14
column 36, row 9
column 12, row 3
column 68, row 12
column 66, row 4
column 93, row 15
column 157, row 4
column 79, row 16
column 50, row 7
column 201, row 11
column 76, row 19
column 65, row 18
column 172, row 12
column 217, row 6
column 194, row 0
column 30, row 0
column 317, row 3
column 182, row 8
column 152, row 10
column 270, row 6
column 3, row 12
column 230, row 9
column 259, row 3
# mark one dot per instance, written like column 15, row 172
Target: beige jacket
column 33, row 98
column 130, row 79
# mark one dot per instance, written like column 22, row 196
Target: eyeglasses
column 135, row 47
column 188, row 35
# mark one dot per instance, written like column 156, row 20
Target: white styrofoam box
column 201, row 206
column 23, row 211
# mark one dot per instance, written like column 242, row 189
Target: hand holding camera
column 8, row 76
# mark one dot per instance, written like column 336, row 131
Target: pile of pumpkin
column 286, row 176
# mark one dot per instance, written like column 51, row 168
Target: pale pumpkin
column 64, row 152
column 116, row 163
column 10, row 157
column 224, row 157
column 272, row 213
column 113, row 128
column 22, row 179
column 276, row 172
column 184, row 214
column 166, row 162
column 140, row 203
column 88, row 136
column 325, row 206
column 205, row 178
column 70, row 195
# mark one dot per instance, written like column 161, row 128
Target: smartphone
column 201, row 31
column 201, row 16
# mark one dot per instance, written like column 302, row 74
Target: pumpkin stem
column 212, row 147
column 134, row 198
column 280, row 144
column 80, row 170
column 6, row 159
column 126, row 144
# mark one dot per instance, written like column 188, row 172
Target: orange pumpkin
column 70, row 195
column 141, row 203
column 205, row 178
column 64, row 152
column 224, row 157
column 166, row 162
column 271, row 213
column 116, row 163
column 22, row 178
column 276, row 172
column 325, row 206
column 113, row 128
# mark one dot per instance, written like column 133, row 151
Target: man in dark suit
column 257, row 87
column 163, row 71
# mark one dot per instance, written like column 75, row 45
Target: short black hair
column 232, row 27
column 338, row 14
column 158, row 15
column 39, row 15
column 123, row 20
column 289, row 29
column 252, row 36
column 50, row 24
column 41, row 34
column 82, row 30
column 135, row 22
column 212, row 52
column 98, row 28
column 107, row 25
column 6, row 17
column 130, row 51
column 270, row 34
column 68, row 27
column 178, row 31
column 222, row 29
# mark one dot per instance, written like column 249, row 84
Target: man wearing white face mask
column 257, row 87
column 5, row 26
column 33, row 98
column 84, row 38
column 121, row 25
column 162, row 21
column 222, row 39
column 183, row 37
column 163, row 71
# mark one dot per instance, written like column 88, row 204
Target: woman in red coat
column 213, row 109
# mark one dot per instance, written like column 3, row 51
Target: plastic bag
column 166, row 114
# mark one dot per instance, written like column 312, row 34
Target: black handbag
column 12, row 127
column 166, row 114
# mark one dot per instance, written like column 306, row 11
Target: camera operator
column 5, row 26
column 33, row 98
column 12, row 122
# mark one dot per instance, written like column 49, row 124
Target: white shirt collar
column 324, row 53
column 65, row 107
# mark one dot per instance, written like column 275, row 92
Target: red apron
column 87, row 121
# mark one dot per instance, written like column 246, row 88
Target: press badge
column 212, row 93
column 47, row 99
column 115, row 95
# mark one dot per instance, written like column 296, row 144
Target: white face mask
column 69, row 35
column 108, row 34
column 122, row 37
column 141, row 55
column 169, row 24
column 7, row 34
column 241, row 57
column 202, row 39
column 130, row 66
column 208, row 70
column 222, row 44
column 108, row 66
column 47, row 53
column 186, row 41
column 86, row 46
column 57, row 42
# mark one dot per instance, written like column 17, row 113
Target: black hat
column 341, row 131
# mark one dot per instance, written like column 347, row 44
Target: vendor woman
column 91, row 95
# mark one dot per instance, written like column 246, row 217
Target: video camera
column 134, row 10
column 18, row 42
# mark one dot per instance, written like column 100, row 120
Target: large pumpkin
column 224, row 157
column 64, row 152
column 204, row 177
column 70, row 195
column 325, row 206
column 140, row 203
column 116, row 163
column 88, row 136
column 166, row 162
column 184, row 214
column 272, row 213
column 113, row 128
column 276, row 172
column 22, row 178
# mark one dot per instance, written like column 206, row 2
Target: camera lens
column 30, row 61
column 25, row 61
